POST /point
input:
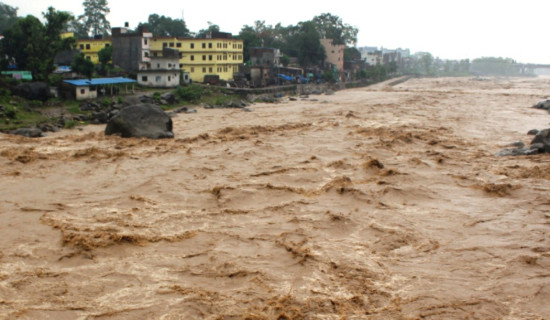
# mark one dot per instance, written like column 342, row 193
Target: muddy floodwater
column 383, row 202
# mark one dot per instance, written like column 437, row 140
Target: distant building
column 335, row 54
column 163, row 72
column 215, row 54
column 131, row 50
column 265, row 66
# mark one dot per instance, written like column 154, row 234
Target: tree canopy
column 165, row 26
column 33, row 46
column 94, row 18
column 332, row 27
column 8, row 16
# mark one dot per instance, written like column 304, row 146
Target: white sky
column 447, row 29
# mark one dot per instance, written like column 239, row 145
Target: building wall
column 162, row 73
column 200, row 57
column 131, row 51
column 83, row 93
column 91, row 47
column 159, row 78
column 335, row 53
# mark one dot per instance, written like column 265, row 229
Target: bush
column 106, row 102
column 192, row 92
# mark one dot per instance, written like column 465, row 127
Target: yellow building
column 217, row 55
column 91, row 47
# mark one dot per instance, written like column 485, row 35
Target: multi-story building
column 131, row 50
column 91, row 47
column 163, row 72
column 216, row 53
column 335, row 54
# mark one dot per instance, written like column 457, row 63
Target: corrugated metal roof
column 99, row 81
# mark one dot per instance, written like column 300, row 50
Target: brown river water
column 384, row 202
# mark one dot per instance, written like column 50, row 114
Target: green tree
column 332, row 27
column 352, row 54
column 95, row 17
column 83, row 66
column 162, row 26
column 285, row 60
column 426, row 62
column 33, row 46
column 77, row 27
column 260, row 35
column 211, row 28
column 8, row 16
column 304, row 42
column 250, row 40
column 105, row 55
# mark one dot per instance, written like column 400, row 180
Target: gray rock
column 28, row 132
column 543, row 137
column 545, row 104
column 169, row 97
column 517, row 144
column 141, row 121
column 533, row 132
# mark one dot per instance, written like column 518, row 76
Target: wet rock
column 169, row 97
column 545, row 104
column 517, row 144
column 184, row 110
column 33, row 91
column 533, row 132
column 543, row 137
column 28, row 132
column 141, row 121
column 46, row 127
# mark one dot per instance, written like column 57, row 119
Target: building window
column 81, row 47
column 154, row 54
column 210, row 69
column 210, row 57
column 145, row 41
column 192, row 45
column 181, row 65
column 87, row 46
column 192, row 58
column 204, row 45
column 88, row 57
column 169, row 78
column 193, row 69
column 203, row 57
column 144, row 78
column 158, row 65
column 82, row 91
column 171, row 44
column 178, row 44
column 165, row 44
column 204, row 70
column 107, row 45
column 158, row 79
column 210, row 45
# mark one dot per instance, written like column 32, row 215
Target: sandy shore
column 373, row 203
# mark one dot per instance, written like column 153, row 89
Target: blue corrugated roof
column 98, row 81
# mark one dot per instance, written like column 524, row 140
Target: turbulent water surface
column 373, row 203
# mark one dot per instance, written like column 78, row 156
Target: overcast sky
column 448, row 29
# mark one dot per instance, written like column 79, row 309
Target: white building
column 163, row 72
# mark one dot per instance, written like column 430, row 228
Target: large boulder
column 33, row 91
column 141, row 121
